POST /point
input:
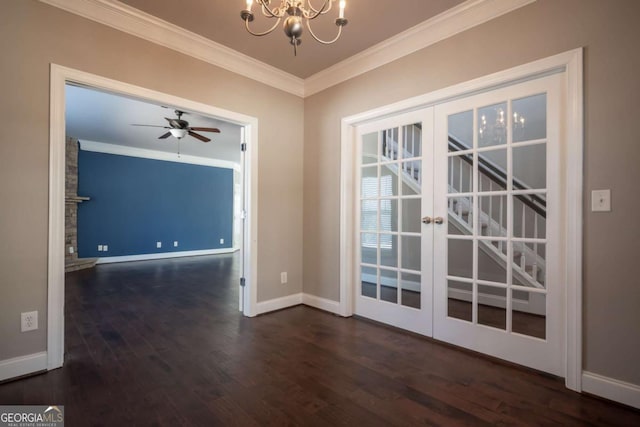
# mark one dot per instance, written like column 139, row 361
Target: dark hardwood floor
column 163, row 343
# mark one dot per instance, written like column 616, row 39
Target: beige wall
column 33, row 35
column 609, row 32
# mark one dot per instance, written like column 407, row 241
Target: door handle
column 426, row 220
column 438, row 220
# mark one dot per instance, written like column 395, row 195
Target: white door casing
column 59, row 77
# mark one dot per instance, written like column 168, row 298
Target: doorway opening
column 245, row 173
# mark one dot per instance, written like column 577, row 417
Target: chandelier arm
column 324, row 9
column 320, row 40
column 266, row 10
column 269, row 31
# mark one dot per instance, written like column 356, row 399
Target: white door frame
column 60, row 76
column 571, row 65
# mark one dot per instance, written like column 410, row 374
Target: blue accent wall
column 137, row 202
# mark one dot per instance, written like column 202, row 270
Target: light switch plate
column 601, row 201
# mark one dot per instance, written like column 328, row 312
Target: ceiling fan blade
column 200, row 137
column 216, row 130
column 152, row 126
column 166, row 135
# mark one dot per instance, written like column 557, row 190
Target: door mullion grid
column 509, row 263
column 400, row 158
column 378, row 221
column 474, row 211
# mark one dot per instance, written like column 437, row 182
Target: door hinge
column 243, row 146
column 243, row 281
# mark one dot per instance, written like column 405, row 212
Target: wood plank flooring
column 162, row 343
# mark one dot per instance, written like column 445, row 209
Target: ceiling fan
column 179, row 128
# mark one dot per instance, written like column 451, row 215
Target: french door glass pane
column 411, row 290
column 369, row 282
column 390, row 214
column 492, row 170
column 492, row 303
column 529, row 118
column 459, row 300
column 530, row 167
column 529, row 313
column 412, row 141
column 370, row 148
column 460, row 174
column 461, row 131
column 389, row 285
column 411, row 215
column 460, row 258
column 411, row 253
column 492, row 266
column 492, row 125
column 388, row 250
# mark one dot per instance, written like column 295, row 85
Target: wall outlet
column 158, row 245
column 222, row 241
column 105, row 248
column 71, row 250
column 99, row 248
column 283, row 277
column 175, row 244
column 28, row 321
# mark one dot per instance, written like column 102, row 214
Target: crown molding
column 447, row 24
column 123, row 17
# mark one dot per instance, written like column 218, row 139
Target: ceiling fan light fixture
column 178, row 133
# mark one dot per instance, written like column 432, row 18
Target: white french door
column 460, row 222
column 395, row 262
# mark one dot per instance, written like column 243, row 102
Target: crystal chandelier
column 496, row 133
column 294, row 12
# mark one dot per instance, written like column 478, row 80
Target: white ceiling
column 370, row 22
column 92, row 115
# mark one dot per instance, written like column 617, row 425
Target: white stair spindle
column 460, row 174
column 524, row 220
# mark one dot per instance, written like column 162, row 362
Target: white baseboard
column 321, row 303
column 23, row 365
column 612, row 389
column 163, row 255
column 278, row 303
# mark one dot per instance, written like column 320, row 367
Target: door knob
column 426, row 220
column 438, row 220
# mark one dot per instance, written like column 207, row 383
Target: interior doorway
column 60, row 77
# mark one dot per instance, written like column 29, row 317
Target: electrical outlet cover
column 29, row 321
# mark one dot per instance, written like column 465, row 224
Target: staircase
column 529, row 210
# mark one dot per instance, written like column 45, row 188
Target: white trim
column 143, row 153
column 574, row 198
column 447, row 24
column 278, row 303
column 571, row 63
column 23, row 365
column 60, row 76
column 130, row 20
column 612, row 389
column 321, row 303
column 163, row 255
